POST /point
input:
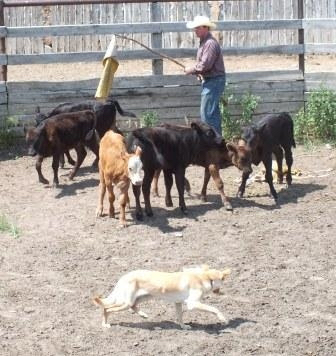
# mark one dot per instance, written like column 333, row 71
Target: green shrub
column 6, row 226
column 231, row 127
column 149, row 119
column 7, row 135
column 317, row 121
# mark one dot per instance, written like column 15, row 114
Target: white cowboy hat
column 200, row 21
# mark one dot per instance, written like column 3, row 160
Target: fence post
column 301, row 36
column 3, row 69
column 156, row 38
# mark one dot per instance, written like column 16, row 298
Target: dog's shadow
column 215, row 328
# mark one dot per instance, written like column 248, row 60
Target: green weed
column 231, row 127
column 317, row 121
column 7, row 226
column 149, row 119
column 7, row 135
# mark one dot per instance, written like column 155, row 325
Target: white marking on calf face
column 135, row 171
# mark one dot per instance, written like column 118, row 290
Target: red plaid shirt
column 209, row 58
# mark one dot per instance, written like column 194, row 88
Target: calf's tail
column 120, row 110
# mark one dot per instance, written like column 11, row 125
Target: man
column 210, row 67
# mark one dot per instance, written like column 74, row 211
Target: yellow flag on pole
column 110, row 65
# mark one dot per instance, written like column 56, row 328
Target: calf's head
column 207, row 133
column 241, row 156
column 251, row 136
column 135, row 171
column 31, row 135
column 39, row 117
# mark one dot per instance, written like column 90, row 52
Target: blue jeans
column 212, row 90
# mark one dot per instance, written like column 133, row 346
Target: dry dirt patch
column 82, row 71
column 280, row 298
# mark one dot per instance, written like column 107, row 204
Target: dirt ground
column 279, row 299
column 81, row 71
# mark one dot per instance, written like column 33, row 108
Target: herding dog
column 188, row 286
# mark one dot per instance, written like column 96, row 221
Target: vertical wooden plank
column 156, row 38
column 301, row 35
column 3, row 69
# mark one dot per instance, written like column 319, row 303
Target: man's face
column 201, row 31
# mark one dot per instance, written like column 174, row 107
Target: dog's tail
column 105, row 303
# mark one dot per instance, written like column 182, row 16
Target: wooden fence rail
column 160, row 28
column 172, row 97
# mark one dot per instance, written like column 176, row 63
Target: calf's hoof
column 149, row 213
column 184, row 211
column 139, row 216
column 169, row 203
column 43, row 181
column 240, row 194
column 228, row 206
column 99, row 213
column 203, row 198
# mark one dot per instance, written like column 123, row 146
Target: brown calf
column 213, row 160
column 117, row 168
column 59, row 134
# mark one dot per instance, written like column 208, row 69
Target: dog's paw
column 185, row 327
column 222, row 318
column 106, row 325
column 143, row 314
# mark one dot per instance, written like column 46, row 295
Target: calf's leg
column 146, row 184
column 38, row 166
column 111, row 198
column 168, row 179
column 289, row 162
column 136, row 191
column 81, row 154
column 55, row 164
column 267, row 160
column 123, row 199
column 102, row 191
column 279, row 157
column 214, row 171
column 241, row 189
column 205, row 184
column 69, row 158
column 179, row 180
column 155, row 183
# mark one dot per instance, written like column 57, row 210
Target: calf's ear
column 231, row 147
column 138, row 151
column 195, row 126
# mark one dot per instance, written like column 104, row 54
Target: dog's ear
column 226, row 273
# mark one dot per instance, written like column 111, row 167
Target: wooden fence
column 109, row 13
column 172, row 97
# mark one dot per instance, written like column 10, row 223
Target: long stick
column 151, row 50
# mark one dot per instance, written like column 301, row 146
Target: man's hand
column 189, row 70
